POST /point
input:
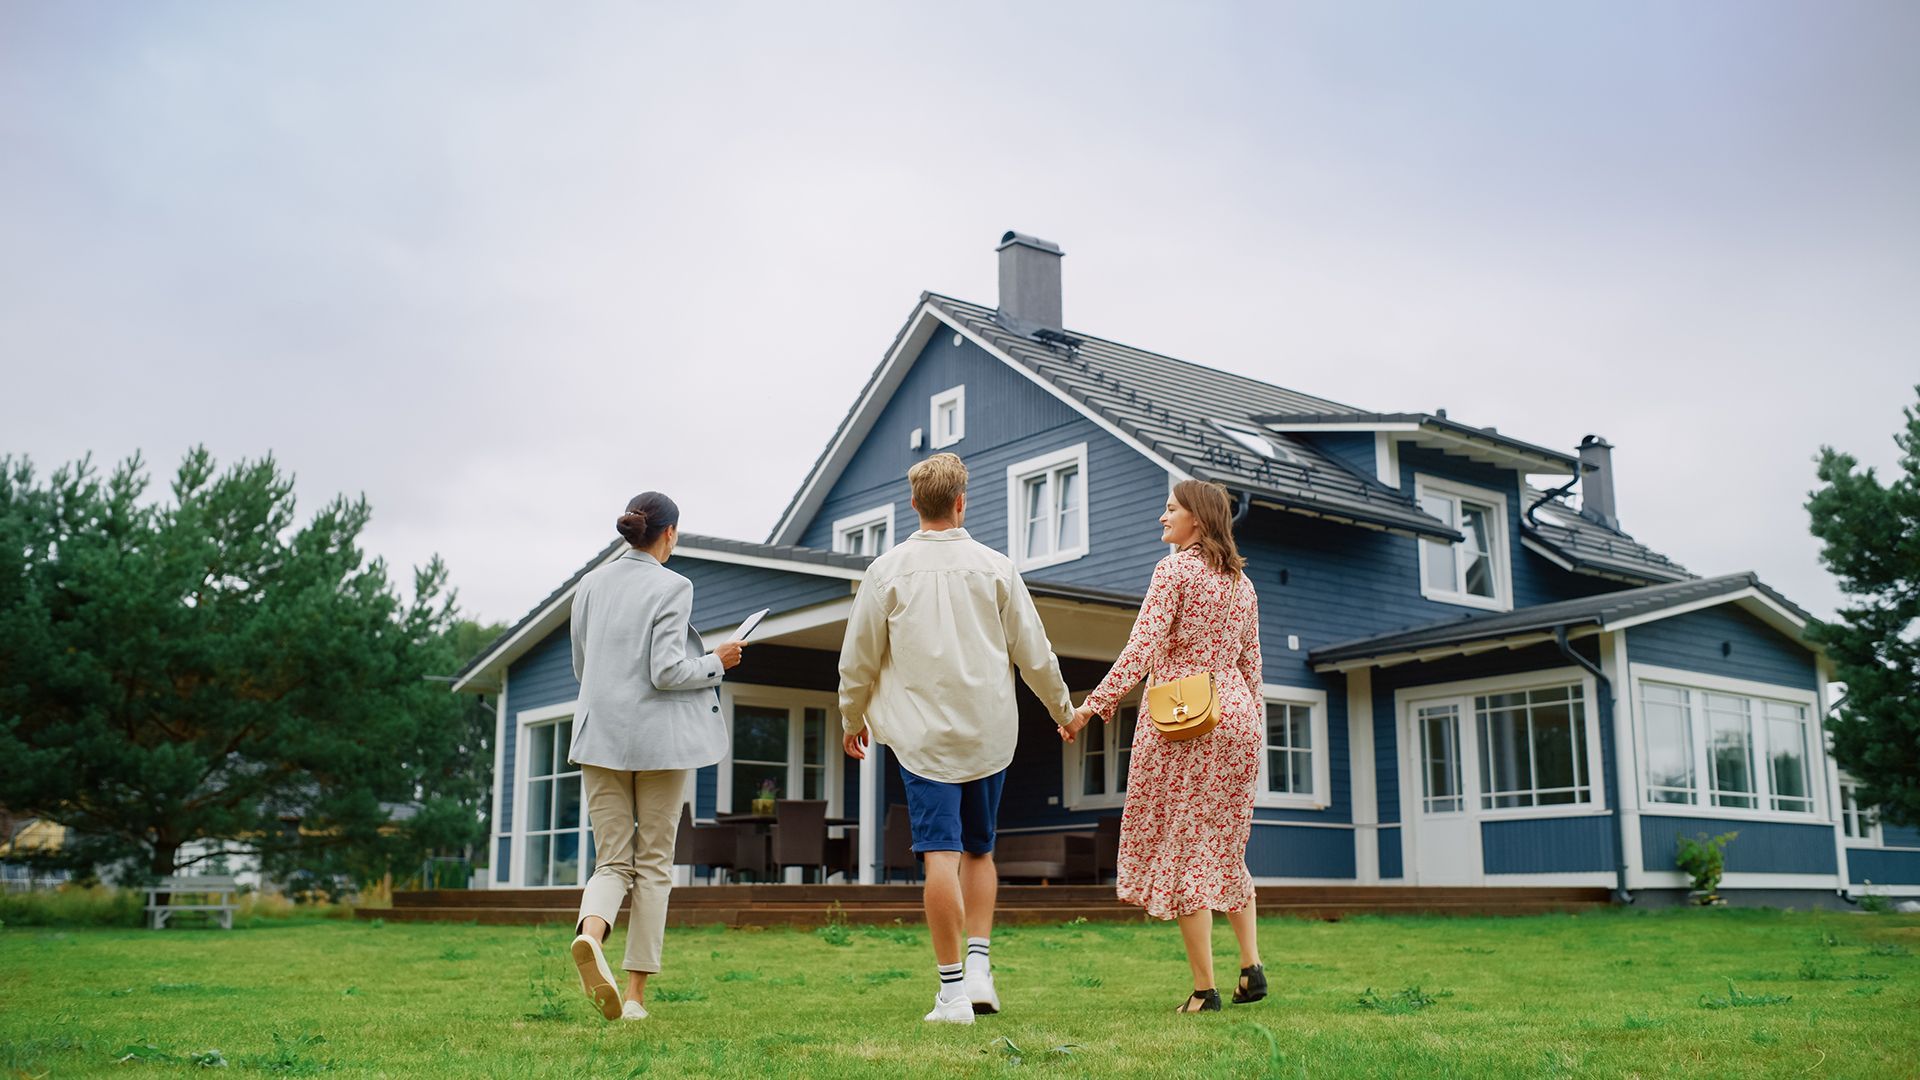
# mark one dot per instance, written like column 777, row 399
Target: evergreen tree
column 1871, row 542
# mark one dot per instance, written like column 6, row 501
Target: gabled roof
column 1585, row 546
column 1592, row 614
column 1170, row 410
column 1435, row 430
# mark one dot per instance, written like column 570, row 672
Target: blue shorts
column 953, row 817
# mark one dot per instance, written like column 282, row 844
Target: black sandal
column 1209, row 1002
column 1255, row 978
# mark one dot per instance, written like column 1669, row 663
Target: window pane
column 1303, row 772
column 814, row 737
column 540, row 753
column 857, row 542
column 1669, row 744
column 1506, row 766
column 566, row 859
column 562, row 745
column 1440, row 749
column 537, row 848
column 813, row 782
column 566, row 802
column 1787, row 747
column 759, row 733
column 539, row 805
column 1730, row 749
column 1039, row 537
column 1478, row 552
column 1123, row 745
column 1300, row 727
column 1440, row 566
column 1093, row 759
column 1069, row 484
column 879, row 538
column 1554, row 749
column 747, row 779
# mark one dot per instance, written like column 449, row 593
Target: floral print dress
column 1189, row 809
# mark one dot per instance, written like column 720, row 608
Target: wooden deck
column 814, row 905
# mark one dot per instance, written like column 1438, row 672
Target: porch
column 816, row 905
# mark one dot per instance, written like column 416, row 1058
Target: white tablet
column 748, row 626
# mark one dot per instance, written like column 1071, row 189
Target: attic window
column 1257, row 443
column 948, row 417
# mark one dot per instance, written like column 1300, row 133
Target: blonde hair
column 937, row 483
column 1212, row 509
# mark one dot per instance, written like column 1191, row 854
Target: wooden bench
column 1059, row 856
column 215, row 895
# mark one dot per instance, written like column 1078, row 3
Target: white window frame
column 863, row 523
column 955, row 396
column 1407, row 699
column 796, row 702
column 1757, row 694
column 1073, row 761
column 1865, row 820
column 1502, row 598
column 525, row 721
column 1316, row 703
column 1017, row 476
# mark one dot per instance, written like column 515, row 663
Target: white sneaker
column 955, row 1011
column 633, row 1010
column 596, row 978
column 980, row 991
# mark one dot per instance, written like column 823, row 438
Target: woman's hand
column 729, row 654
column 1072, row 727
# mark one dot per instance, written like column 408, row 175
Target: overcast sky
column 500, row 267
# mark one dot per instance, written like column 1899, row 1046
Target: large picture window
column 1472, row 572
column 1047, row 509
column 1533, row 748
column 1714, row 745
column 554, row 834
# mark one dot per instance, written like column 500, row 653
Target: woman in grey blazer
column 649, row 715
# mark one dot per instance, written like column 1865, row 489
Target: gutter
column 1605, row 711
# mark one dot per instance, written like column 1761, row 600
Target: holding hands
column 1071, row 728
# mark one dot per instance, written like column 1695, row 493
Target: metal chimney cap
column 1011, row 238
column 1595, row 440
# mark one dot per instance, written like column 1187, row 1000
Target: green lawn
column 1613, row 994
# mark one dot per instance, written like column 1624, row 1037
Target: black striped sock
column 949, row 980
column 978, row 946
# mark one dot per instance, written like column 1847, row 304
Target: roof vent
column 1029, row 284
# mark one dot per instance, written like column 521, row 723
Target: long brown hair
column 1213, row 510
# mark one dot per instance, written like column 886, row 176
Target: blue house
column 1470, row 679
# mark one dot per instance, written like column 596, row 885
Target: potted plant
column 1704, row 860
column 763, row 802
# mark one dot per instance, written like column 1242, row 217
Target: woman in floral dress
column 1189, row 811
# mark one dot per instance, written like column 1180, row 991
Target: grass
column 1680, row 993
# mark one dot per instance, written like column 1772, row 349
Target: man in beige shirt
column 937, row 628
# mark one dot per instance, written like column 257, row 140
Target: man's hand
column 856, row 745
column 729, row 654
column 1072, row 727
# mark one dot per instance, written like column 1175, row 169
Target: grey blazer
column 648, row 697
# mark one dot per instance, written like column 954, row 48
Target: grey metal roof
column 1560, row 459
column 1601, row 611
column 1172, row 406
column 1592, row 548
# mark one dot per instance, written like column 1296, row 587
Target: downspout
column 1605, row 687
column 1554, row 494
column 1246, row 504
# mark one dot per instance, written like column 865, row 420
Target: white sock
column 977, row 953
column 950, row 987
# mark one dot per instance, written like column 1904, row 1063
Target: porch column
column 870, row 795
column 1362, row 781
column 1626, row 753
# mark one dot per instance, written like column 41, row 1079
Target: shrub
column 1704, row 860
column 72, row 905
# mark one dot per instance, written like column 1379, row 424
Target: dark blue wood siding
column 1300, row 852
column 1354, row 449
column 1883, row 867
column 1899, row 836
column 1009, row 420
column 1391, row 860
column 1547, row 845
column 725, row 593
column 1763, row 847
column 1725, row 641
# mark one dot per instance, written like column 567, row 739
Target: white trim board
column 1021, row 471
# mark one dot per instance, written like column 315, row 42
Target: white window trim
column 865, row 518
column 1502, row 599
column 1405, row 700
column 1020, row 471
column 796, row 702
column 1073, row 761
column 957, row 397
column 524, row 719
column 1316, row 703
column 1821, row 814
column 1870, row 835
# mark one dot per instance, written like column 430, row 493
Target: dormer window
column 1474, row 571
column 948, row 417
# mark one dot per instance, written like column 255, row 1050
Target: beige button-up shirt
column 937, row 628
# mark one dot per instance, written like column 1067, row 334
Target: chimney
column 1596, row 482
column 1029, row 284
